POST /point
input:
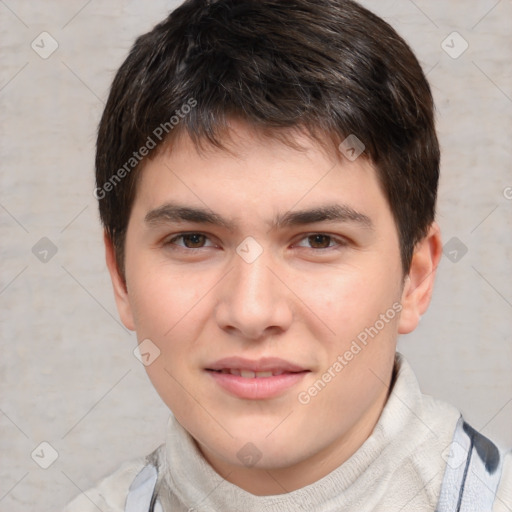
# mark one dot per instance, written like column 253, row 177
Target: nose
column 253, row 302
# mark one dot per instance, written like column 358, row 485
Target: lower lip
column 257, row 388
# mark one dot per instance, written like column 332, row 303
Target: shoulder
column 503, row 501
column 109, row 495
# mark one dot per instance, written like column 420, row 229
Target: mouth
column 256, row 379
column 249, row 374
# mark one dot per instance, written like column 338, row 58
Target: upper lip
column 260, row 365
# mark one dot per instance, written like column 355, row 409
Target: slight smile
column 256, row 379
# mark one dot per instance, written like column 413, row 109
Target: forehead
column 254, row 169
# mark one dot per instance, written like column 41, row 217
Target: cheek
column 170, row 309
column 167, row 311
column 363, row 310
column 349, row 302
column 161, row 301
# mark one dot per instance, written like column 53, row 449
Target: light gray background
column 68, row 374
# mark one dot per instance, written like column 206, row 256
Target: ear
column 419, row 283
column 119, row 285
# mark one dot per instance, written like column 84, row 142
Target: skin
column 303, row 299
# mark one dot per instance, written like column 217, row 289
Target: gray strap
column 472, row 475
column 141, row 492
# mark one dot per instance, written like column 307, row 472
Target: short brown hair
column 330, row 67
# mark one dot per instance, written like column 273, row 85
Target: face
column 272, row 285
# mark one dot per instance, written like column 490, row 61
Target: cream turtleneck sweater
column 400, row 467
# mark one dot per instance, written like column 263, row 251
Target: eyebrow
column 171, row 212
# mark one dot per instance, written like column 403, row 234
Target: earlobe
column 118, row 284
column 419, row 283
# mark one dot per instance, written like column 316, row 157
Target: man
column 267, row 175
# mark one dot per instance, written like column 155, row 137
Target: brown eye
column 190, row 241
column 319, row 241
column 193, row 240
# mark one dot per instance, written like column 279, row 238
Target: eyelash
column 338, row 241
